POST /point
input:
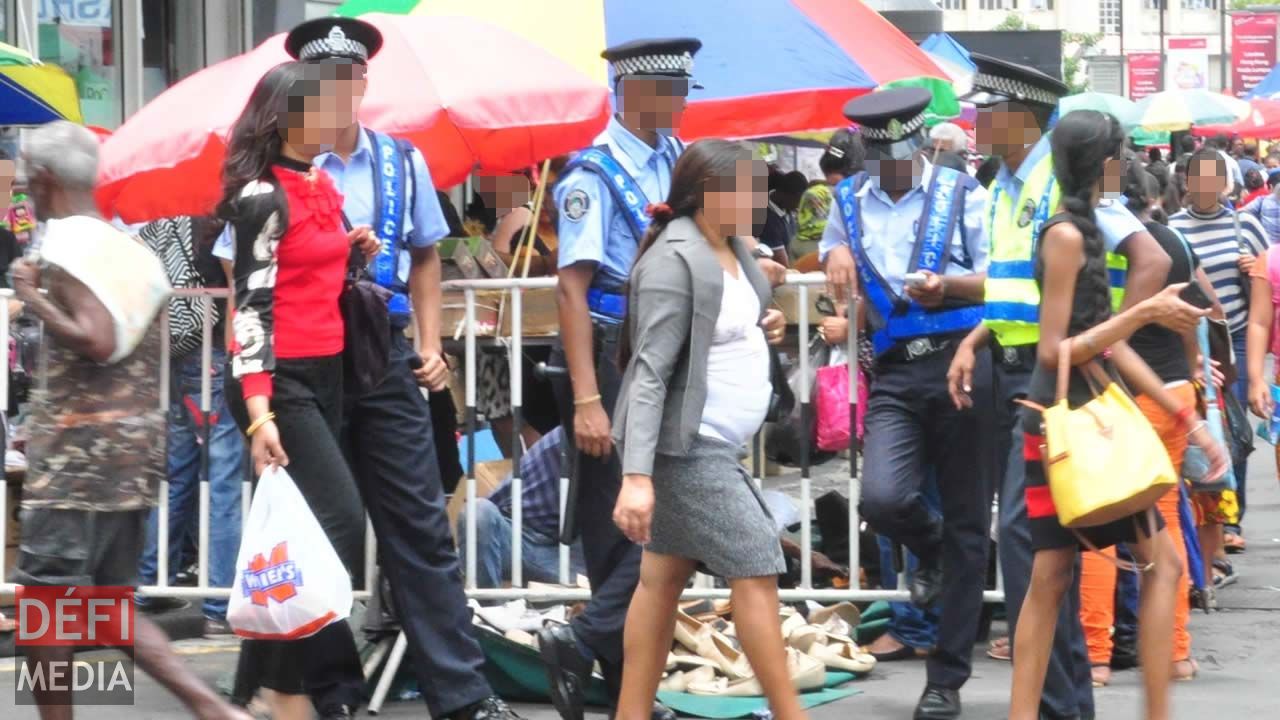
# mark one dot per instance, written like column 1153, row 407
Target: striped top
column 1213, row 238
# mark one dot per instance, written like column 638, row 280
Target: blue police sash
column 901, row 319
column 623, row 188
column 389, row 267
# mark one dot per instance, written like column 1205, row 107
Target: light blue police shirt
column 1115, row 222
column 423, row 227
column 890, row 230
column 591, row 228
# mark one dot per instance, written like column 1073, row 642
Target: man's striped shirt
column 1213, row 238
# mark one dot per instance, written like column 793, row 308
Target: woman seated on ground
column 1075, row 307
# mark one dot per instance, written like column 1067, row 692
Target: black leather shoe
column 938, row 703
column 568, row 672
column 336, row 712
column 926, row 583
column 490, row 708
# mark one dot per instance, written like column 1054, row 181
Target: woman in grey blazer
column 695, row 389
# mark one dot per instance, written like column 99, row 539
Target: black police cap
column 997, row 81
column 889, row 116
column 672, row 57
column 337, row 38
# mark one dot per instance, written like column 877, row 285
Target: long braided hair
column 1082, row 143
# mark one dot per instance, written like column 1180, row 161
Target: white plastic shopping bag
column 289, row 581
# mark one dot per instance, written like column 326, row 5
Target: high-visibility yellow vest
column 1012, row 309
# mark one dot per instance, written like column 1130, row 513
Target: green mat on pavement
column 723, row 708
column 516, row 673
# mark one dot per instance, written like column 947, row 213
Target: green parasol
column 945, row 105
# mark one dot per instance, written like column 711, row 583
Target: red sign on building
column 1253, row 49
column 1144, row 74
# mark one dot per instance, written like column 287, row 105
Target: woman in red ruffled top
column 285, row 384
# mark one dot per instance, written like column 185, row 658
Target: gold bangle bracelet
column 586, row 400
column 257, row 424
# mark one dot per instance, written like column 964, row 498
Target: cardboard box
column 489, row 475
column 487, row 258
column 457, row 260
column 787, row 299
column 541, row 313
column 453, row 313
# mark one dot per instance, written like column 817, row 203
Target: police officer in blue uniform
column 601, row 198
column 387, row 426
column 912, row 237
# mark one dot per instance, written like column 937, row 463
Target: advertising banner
column 1253, row 49
column 1144, row 74
column 1186, row 64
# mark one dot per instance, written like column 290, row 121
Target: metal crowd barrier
column 514, row 346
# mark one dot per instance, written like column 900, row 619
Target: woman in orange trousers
column 1170, row 356
column 1098, row 573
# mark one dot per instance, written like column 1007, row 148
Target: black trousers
column 307, row 402
column 912, row 425
column 1068, row 684
column 613, row 561
column 390, row 442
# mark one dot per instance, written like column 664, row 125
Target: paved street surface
column 1238, row 649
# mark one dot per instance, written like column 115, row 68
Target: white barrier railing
column 514, row 344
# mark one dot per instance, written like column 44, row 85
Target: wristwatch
column 763, row 251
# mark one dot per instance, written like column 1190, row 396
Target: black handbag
column 1241, row 435
column 366, row 353
column 783, row 401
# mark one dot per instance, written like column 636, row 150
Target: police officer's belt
column 914, row 350
column 610, row 305
column 1021, row 356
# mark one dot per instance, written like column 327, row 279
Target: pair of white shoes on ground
column 811, row 651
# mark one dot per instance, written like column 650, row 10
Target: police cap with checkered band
column 1000, row 81
column 667, row 57
column 334, row 38
column 891, row 121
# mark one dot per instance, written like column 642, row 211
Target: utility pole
column 1162, row 61
column 1224, row 59
column 1124, row 62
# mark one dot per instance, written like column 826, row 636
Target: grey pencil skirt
column 707, row 508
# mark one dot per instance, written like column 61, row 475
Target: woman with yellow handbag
column 1095, row 466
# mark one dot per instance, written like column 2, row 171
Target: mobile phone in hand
column 915, row 279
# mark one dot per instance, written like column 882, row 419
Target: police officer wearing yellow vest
column 911, row 236
column 1016, row 106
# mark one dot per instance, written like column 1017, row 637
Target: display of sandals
column 706, row 658
column 815, row 644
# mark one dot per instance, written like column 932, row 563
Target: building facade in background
column 1193, row 48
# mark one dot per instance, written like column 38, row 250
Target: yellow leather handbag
column 1104, row 460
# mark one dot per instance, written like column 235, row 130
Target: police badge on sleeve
column 576, row 204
